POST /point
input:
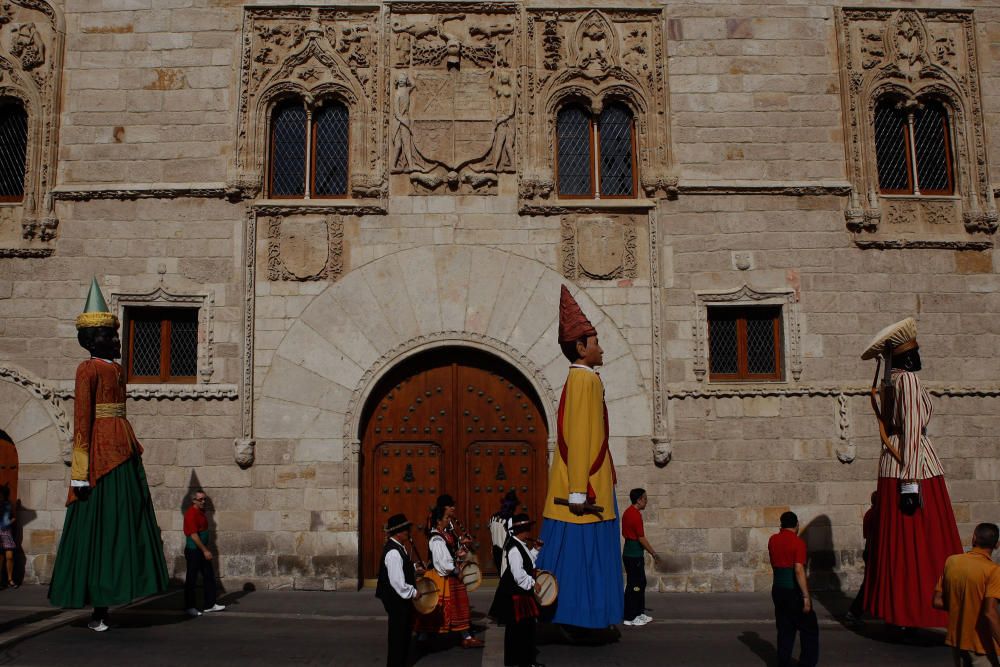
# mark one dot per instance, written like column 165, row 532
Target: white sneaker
column 638, row 620
column 216, row 607
column 646, row 617
column 192, row 612
column 97, row 626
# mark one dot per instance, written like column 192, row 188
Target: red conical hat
column 573, row 324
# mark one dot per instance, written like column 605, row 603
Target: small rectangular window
column 744, row 343
column 161, row 344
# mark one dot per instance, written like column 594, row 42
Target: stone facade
column 147, row 164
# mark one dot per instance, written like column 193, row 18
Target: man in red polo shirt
column 633, row 559
column 198, row 556
column 793, row 610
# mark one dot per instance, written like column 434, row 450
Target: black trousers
column 400, row 623
column 635, row 586
column 198, row 564
column 790, row 619
column 519, row 643
column 497, row 558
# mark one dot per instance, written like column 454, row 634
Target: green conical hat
column 96, row 313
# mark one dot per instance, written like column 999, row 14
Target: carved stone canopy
column 912, row 56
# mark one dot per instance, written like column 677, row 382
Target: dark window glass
column 615, row 132
column 722, row 345
column 891, row 150
column 330, row 131
column 162, row 344
column 930, row 138
column 288, row 150
column 574, row 158
column 744, row 343
column 13, row 148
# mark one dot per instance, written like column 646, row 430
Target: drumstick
column 593, row 509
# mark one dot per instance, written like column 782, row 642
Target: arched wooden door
column 455, row 421
column 8, row 466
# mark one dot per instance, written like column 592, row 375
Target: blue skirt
column 587, row 564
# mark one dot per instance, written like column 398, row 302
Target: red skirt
column 907, row 553
column 452, row 613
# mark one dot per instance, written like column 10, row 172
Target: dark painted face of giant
column 102, row 342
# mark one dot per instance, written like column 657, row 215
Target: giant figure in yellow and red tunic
column 916, row 529
column 580, row 530
column 110, row 552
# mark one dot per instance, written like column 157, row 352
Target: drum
column 471, row 576
column 549, row 588
column 430, row 592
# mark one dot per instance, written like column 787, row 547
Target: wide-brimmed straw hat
column 899, row 337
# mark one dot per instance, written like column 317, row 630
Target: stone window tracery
column 308, row 150
column 913, row 147
column 13, row 149
column 915, row 129
column 595, row 152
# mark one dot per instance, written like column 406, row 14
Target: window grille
column 615, row 131
column 913, row 149
column 330, row 151
column 288, row 150
column 13, row 150
column 744, row 343
column 161, row 344
column 574, row 162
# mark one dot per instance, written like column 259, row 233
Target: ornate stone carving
column 311, row 53
column 849, row 451
column 915, row 55
column 25, row 253
column 453, row 101
column 160, row 297
column 743, row 391
column 785, row 297
column 599, row 248
column 305, row 248
column 663, row 451
column 49, row 398
column 595, row 56
column 170, row 392
column 32, row 33
column 244, row 452
column 249, row 321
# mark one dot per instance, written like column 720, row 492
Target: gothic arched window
column 595, row 155
column 13, row 149
column 317, row 168
column 913, row 148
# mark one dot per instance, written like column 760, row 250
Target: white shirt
column 443, row 562
column 516, row 565
column 394, row 566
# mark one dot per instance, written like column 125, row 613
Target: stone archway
column 351, row 334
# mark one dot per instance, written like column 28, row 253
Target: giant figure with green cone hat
column 110, row 552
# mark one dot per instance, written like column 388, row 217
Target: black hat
column 397, row 522
column 445, row 500
column 519, row 522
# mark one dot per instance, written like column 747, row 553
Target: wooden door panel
column 449, row 421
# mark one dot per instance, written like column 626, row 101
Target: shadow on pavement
column 10, row 624
column 762, row 648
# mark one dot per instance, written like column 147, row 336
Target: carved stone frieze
column 594, row 57
column 50, row 399
column 453, row 94
column 305, row 248
column 312, row 54
column 32, row 34
column 915, row 55
column 598, row 247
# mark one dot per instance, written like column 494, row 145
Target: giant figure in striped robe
column 916, row 529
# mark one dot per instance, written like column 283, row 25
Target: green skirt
column 111, row 551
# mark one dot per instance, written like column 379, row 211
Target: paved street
column 306, row 628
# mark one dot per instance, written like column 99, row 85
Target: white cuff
column 577, row 498
column 76, row 483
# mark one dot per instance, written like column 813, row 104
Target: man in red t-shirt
column 793, row 610
column 632, row 556
column 198, row 556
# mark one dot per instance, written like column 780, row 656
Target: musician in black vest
column 514, row 604
column 395, row 588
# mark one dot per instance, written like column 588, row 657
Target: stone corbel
column 243, row 452
column 663, row 451
column 660, row 183
column 243, row 185
column 849, row 451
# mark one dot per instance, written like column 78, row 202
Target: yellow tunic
column 584, row 431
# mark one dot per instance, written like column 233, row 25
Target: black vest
column 502, row 608
column 383, row 589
